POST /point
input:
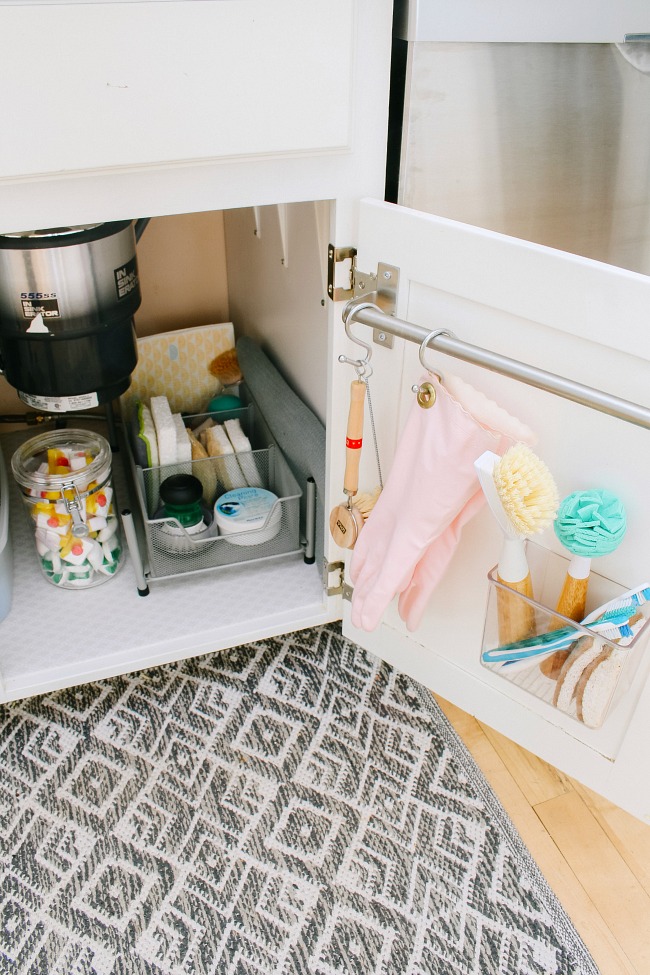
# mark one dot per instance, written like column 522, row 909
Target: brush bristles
column 526, row 489
column 366, row 501
column 226, row 368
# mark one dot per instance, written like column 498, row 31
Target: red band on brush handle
column 354, row 437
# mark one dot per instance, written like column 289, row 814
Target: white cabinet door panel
column 566, row 315
column 137, row 84
column 114, row 110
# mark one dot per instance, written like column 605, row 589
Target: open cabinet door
column 566, row 315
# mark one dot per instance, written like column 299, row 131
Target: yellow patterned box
column 175, row 365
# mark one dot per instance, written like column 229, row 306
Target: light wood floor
column 595, row 856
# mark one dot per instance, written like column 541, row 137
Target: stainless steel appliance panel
column 544, row 142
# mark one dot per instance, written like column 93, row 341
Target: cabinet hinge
column 379, row 286
column 336, row 255
column 354, row 281
column 328, row 569
column 342, row 588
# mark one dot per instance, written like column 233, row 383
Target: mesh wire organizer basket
column 209, row 550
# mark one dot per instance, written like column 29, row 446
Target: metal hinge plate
column 379, row 286
column 342, row 588
column 328, row 568
column 336, row 255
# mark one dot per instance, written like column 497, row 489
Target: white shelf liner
column 55, row 638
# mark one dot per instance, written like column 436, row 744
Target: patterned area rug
column 292, row 806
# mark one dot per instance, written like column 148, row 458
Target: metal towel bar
column 596, row 399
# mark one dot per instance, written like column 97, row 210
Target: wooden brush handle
column 354, row 437
column 573, row 598
column 516, row 617
column 572, row 603
column 551, row 666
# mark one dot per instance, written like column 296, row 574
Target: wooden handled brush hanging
column 347, row 520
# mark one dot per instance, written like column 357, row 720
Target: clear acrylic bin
column 65, row 479
column 594, row 669
column 265, row 467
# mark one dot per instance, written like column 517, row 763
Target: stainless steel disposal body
column 67, row 300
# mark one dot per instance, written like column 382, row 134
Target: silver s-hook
column 362, row 366
column 426, row 393
column 425, row 345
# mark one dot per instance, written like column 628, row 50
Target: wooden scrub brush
column 523, row 497
column 365, row 501
column 347, row 520
column 226, row 368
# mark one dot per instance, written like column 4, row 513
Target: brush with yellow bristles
column 226, row 368
column 366, row 501
column 523, row 498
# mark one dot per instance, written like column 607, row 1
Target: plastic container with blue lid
column 248, row 516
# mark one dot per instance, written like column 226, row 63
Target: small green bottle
column 180, row 495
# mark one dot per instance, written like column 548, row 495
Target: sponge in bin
column 203, row 470
column 183, row 445
column 242, row 447
column 165, row 429
column 216, row 442
column 143, row 436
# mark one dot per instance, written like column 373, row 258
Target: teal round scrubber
column 590, row 523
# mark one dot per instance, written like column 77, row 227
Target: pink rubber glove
column 431, row 480
column 434, row 563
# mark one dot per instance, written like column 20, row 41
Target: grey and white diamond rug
column 291, row 806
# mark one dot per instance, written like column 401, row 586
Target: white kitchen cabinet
column 287, row 193
column 155, row 107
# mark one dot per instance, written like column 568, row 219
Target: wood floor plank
column 619, row 898
column 603, row 944
column 630, row 836
column 463, row 723
column 538, row 780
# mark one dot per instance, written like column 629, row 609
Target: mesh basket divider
column 245, row 415
column 200, row 554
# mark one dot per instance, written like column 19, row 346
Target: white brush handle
column 513, row 566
